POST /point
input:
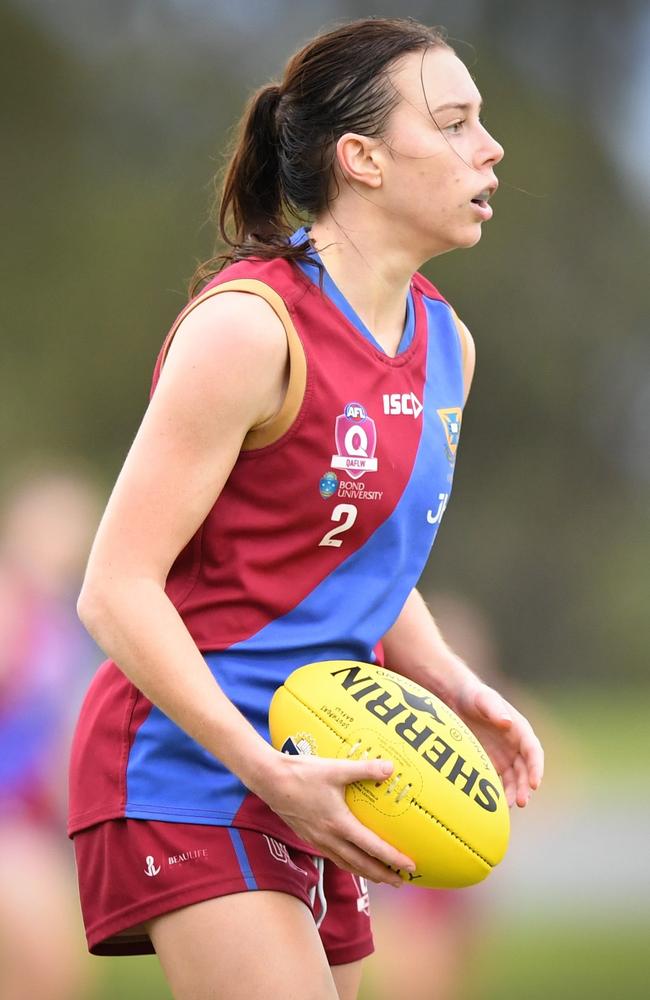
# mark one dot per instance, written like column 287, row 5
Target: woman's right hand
column 308, row 793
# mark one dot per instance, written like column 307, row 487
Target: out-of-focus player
column 46, row 523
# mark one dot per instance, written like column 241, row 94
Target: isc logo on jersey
column 402, row 402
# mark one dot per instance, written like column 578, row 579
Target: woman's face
column 437, row 159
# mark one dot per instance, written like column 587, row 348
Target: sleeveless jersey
column 309, row 553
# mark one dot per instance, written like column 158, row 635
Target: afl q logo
column 355, row 411
column 355, row 435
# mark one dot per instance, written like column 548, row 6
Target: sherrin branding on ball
column 443, row 805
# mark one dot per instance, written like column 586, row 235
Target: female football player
column 277, row 508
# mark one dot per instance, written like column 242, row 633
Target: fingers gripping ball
column 443, row 805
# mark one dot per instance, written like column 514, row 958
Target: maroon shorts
column 131, row 870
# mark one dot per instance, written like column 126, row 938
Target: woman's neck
column 374, row 280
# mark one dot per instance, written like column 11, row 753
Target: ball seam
column 414, row 801
column 451, row 833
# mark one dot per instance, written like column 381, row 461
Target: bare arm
column 225, row 372
column 414, row 647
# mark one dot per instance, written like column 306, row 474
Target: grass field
column 553, row 962
column 562, row 961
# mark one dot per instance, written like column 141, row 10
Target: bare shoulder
column 232, row 344
column 225, row 372
column 236, row 323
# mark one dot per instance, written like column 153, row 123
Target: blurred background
column 114, row 117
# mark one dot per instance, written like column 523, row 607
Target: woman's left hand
column 507, row 736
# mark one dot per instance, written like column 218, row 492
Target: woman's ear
column 357, row 160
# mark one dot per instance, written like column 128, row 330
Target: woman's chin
column 470, row 236
column 462, row 239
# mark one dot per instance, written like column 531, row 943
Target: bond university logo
column 451, row 418
column 328, row 485
column 355, row 435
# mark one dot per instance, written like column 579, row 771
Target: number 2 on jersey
column 342, row 510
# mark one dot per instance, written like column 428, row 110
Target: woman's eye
column 455, row 127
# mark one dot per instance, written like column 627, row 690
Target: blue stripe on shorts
column 242, row 858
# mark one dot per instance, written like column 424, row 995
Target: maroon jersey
column 319, row 535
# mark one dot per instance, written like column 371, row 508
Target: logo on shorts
column 355, row 436
column 363, row 899
column 151, row 869
column 280, row 852
column 184, row 856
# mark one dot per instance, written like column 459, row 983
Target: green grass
column 138, row 978
column 540, row 961
column 543, row 961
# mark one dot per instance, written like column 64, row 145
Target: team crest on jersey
column 355, row 435
column 451, row 419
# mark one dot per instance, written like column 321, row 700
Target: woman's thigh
column 348, row 979
column 246, row 946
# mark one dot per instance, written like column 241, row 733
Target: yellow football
column 444, row 805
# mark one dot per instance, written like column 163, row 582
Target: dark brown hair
column 281, row 163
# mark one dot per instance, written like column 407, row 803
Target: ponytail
column 251, row 214
column 251, row 190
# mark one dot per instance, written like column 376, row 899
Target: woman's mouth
column 480, row 203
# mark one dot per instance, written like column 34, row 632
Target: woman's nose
column 493, row 151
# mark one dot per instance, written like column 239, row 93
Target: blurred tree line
column 109, row 143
